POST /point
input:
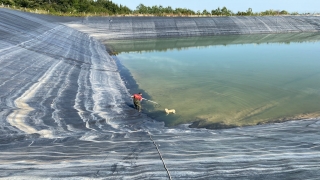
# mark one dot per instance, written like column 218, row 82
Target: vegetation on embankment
column 109, row 8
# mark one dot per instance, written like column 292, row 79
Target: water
column 232, row 84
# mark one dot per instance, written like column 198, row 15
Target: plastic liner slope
column 151, row 27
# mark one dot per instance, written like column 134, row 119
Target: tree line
column 107, row 7
column 69, row 7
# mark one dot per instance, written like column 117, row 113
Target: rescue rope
column 150, row 101
column 157, row 105
column 164, row 164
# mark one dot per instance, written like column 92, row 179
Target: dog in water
column 168, row 111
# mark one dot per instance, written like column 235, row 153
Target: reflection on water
column 234, row 84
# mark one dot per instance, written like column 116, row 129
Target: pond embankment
column 105, row 28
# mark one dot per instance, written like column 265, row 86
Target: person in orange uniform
column 137, row 98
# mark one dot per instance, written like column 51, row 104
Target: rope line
column 164, row 164
column 150, row 100
column 156, row 104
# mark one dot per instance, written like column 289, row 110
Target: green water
column 234, row 84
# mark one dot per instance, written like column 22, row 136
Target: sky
column 300, row 6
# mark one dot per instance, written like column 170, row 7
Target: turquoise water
column 233, row 84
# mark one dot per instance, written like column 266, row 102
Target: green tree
column 226, row 12
column 249, row 12
column 206, row 13
column 142, row 9
column 168, row 10
column 216, row 12
column 283, row 12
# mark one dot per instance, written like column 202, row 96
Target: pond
column 229, row 80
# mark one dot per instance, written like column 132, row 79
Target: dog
column 168, row 111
